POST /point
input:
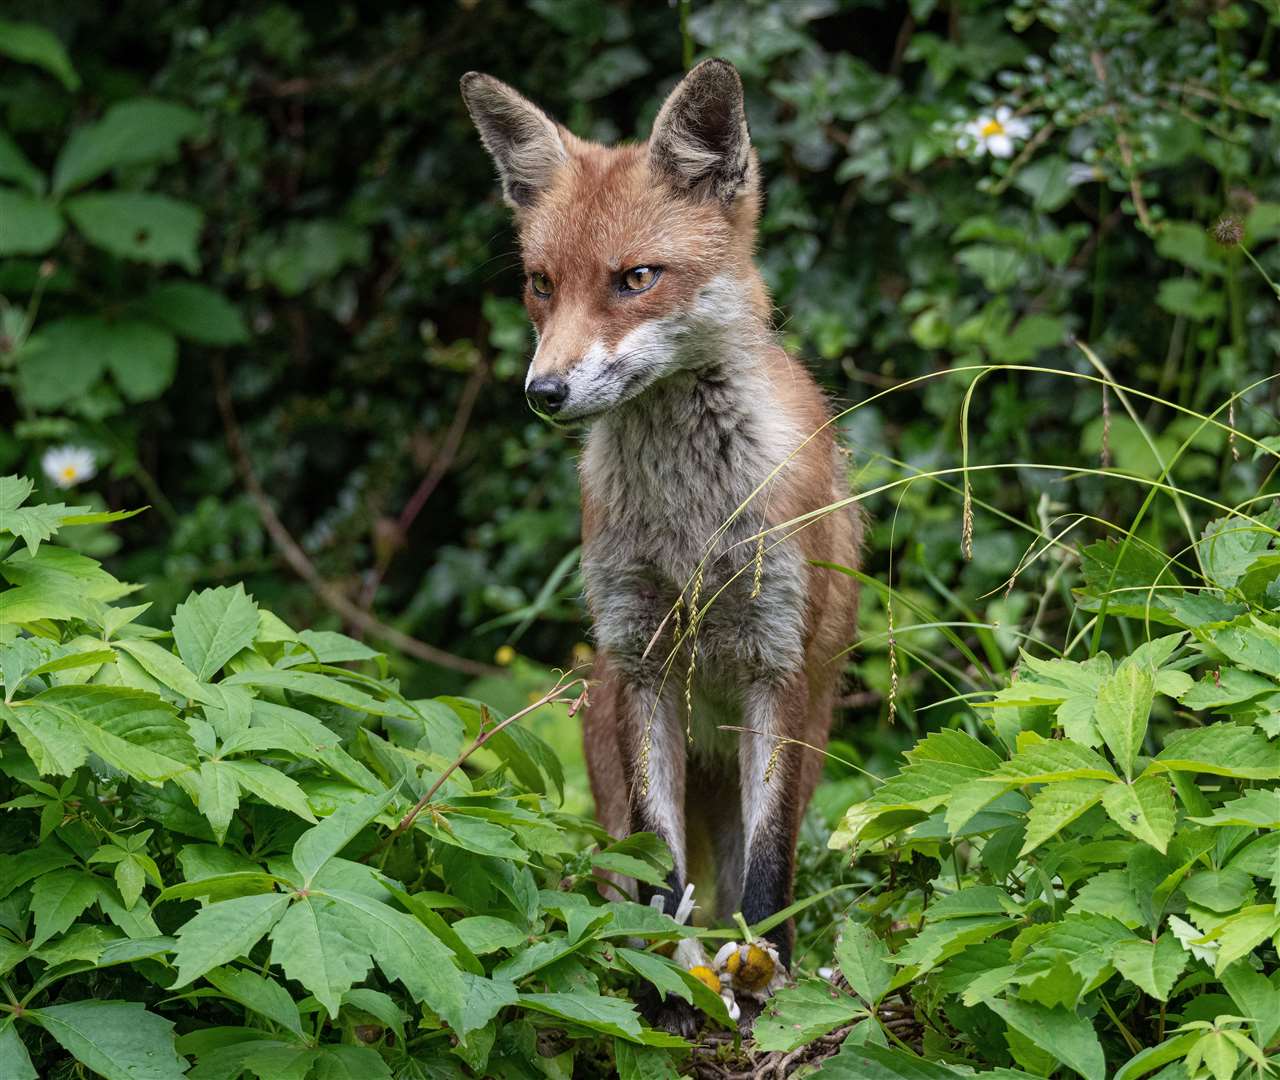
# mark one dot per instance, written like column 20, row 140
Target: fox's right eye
column 540, row 284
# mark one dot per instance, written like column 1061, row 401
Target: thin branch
column 297, row 559
column 439, row 466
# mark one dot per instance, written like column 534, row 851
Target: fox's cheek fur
column 609, row 375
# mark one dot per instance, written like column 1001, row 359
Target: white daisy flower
column 66, row 466
column 995, row 134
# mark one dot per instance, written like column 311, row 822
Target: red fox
column 653, row 326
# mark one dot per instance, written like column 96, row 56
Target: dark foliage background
column 350, row 215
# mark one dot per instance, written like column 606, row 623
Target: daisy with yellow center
column 66, row 466
column 995, row 134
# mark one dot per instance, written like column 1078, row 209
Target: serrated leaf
column 1143, row 808
column 1056, row 806
column 58, row 899
column 120, row 1040
column 258, row 994
column 1040, row 761
column 1241, row 933
column 271, row 786
column 1122, row 711
column 211, row 626
column 319, row 844
column 1222, row 750
column 130, row 132
column 1153, row 966
column 217, row 795
column 938, row 941
column 224, row 931
column 322, row 946
column 1069, row 1038
column 16, row 166
column 139, row 225
column 609, row 1016
column 15, row 1062
column 1253, row 644
column 1257, row 808
column 864, row 962
column 797, row 1015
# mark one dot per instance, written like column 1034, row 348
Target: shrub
column 1095, row 885
column 248, row 833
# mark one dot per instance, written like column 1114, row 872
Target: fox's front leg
column 769, row 774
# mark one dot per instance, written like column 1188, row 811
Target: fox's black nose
column 547, row 393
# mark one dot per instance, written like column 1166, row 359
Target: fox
column 708, row 474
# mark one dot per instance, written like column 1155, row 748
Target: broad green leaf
column 1040, row 761
column 120, row 1040
column 130, row 132
column 1257, row 808
column 1255, row 997
column 1056, row 806
column 139, row 225
column 1219, row 890
column 271, row 786
column 141, row 357
column 337, row 1061
column 217, row 795
column 1122, row 711
column 1155, row 1056
column 52, row 741
column 484, row 934
column 1243, row 932
column 938, row 941
column 16, row 166
column 211, row 626
column 642, row 1062
column 863, row 961
column 796, row 1015
column 15, row 1062
column 323, row 946
column 31, row 43
column 1154, row 966
column 1069, row 1038
column 31, row 225
column 406, row 950
column 1254, row 645
column 1143, row 808
column 379, row 1005
column 258, row 994
column 324, row 687
column 224, row 931
column 58, row 899
column 1223, row 750
column 197, row 313
column 322, row 842
column 1110, row 893
column 868, row 1061
column 163, row 666
column 607, row 1015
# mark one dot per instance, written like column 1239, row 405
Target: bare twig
column 482, row 737
column 443, row 459
column 297, row 559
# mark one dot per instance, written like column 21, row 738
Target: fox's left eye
column 640, row 278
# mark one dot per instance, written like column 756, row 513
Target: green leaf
column 609, row 1016
column 197, row 313
column 1122, row 711
column 1153, row 966
column 1222, row 750
column 1219, row 890
column 867, row 1061
column 863, row 960
column 1143, row 808
column 15, row 1062
column 141, row 357
column 211, row 626
column 30, row 43
column 139, row 225
column 406, row 950
column 797, row 1015
column 221, row 932
column 324, row 687
column 129, row 133
column 1255, row 997
column 941, row 940
column 1069, row 1038
column 1155, row 1056
column 1257, row 808
column 1254, row 645
column 31, row 225
column 16, row 166
column 1040, row 761
column 120, row 1040
column 319, row 844
column 217, row 796
column 1056, row 806
column 162, row 665
column 1243, row 932
column 642, row 1062
column 322, row 946
column 258, row 994
column 271, row 786
column 58, row 899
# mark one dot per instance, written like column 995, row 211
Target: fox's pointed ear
column 700, row 139
column 523, row 141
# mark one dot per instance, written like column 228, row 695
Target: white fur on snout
column 607, row 377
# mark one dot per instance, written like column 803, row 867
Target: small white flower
column 66, row 466
column 995, row 134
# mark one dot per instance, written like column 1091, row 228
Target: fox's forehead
column 607, row 207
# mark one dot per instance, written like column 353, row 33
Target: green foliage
column 206, row 863
column 1107, row 885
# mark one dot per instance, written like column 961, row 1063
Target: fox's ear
column 523, row 141
column 700, row 139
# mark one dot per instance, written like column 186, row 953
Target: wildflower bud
column 1228, row 231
